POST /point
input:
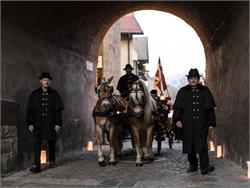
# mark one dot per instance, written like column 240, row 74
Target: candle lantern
column 90, row 146
column 219, row 151
column 43, row 156
column 211, row 144
column 248, row 169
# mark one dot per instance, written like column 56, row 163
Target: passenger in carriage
column 162, row 103
column 194, row 113
column 163, row 108
column 125, row 82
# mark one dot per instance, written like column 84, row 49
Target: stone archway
column 215, row 35
column 61, row 36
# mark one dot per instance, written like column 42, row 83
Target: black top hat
column 128, row 66
column 45, row 75
column 193, row 73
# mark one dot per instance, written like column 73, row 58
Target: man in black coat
column 44, row 119
column 125, row 82
column 194, row 112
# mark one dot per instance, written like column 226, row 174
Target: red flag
column 160, row 83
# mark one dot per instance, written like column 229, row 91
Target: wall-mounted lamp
column 99, row 62
column 146, row 65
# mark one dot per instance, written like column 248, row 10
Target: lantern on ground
column 90, row 146
column 219, row 151
column 43, row 157
column 211, row 145
column 248, row 169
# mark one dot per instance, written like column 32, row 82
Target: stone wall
column 24, row 57
column 9, row 138
column 228, row 77
column 112, row 54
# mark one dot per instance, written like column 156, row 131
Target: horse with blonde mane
column 142, row 110
column 105, row 119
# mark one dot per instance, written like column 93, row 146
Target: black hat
column 45, row 75
column 193, row 73
column 128, row 66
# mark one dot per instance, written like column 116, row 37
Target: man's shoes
column 35, row 169
column 52, row 165
column 206, row 170
column 192, row 169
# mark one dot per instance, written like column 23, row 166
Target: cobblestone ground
column 168, row 170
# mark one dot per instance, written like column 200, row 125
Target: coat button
column 193, row 109
column 197, row 110
column 46, row 93
column 193, row 96
column 197, row 96
column 194, row 117
column 193, row 102
column 197, row 117
column 42, row 114
column 43, row 104
column 197, row 90
column 197, row 102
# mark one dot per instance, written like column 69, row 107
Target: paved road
column 168, row 170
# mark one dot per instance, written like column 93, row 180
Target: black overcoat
column 125, row 83
column 44, row 111
column 194, row 107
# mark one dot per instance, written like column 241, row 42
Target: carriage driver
column 124, row 86
column 125, row 82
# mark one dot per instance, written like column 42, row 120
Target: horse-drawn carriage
column 137, row 117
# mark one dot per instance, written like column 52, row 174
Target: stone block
column 9, row 145
column 8, row 162
column 8, row 131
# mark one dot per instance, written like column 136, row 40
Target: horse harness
column 98, row 111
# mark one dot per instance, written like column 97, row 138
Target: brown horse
column 106, row 121
column 142, row 111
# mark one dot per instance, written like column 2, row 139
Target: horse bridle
column 137, row 89
column 100, row 111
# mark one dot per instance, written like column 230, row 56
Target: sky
column 173, row 40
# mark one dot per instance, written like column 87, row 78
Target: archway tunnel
column 64, row 38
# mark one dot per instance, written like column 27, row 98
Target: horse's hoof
column 112, row 163
column 101, row 163
column 138, row 165
column 151, row 159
